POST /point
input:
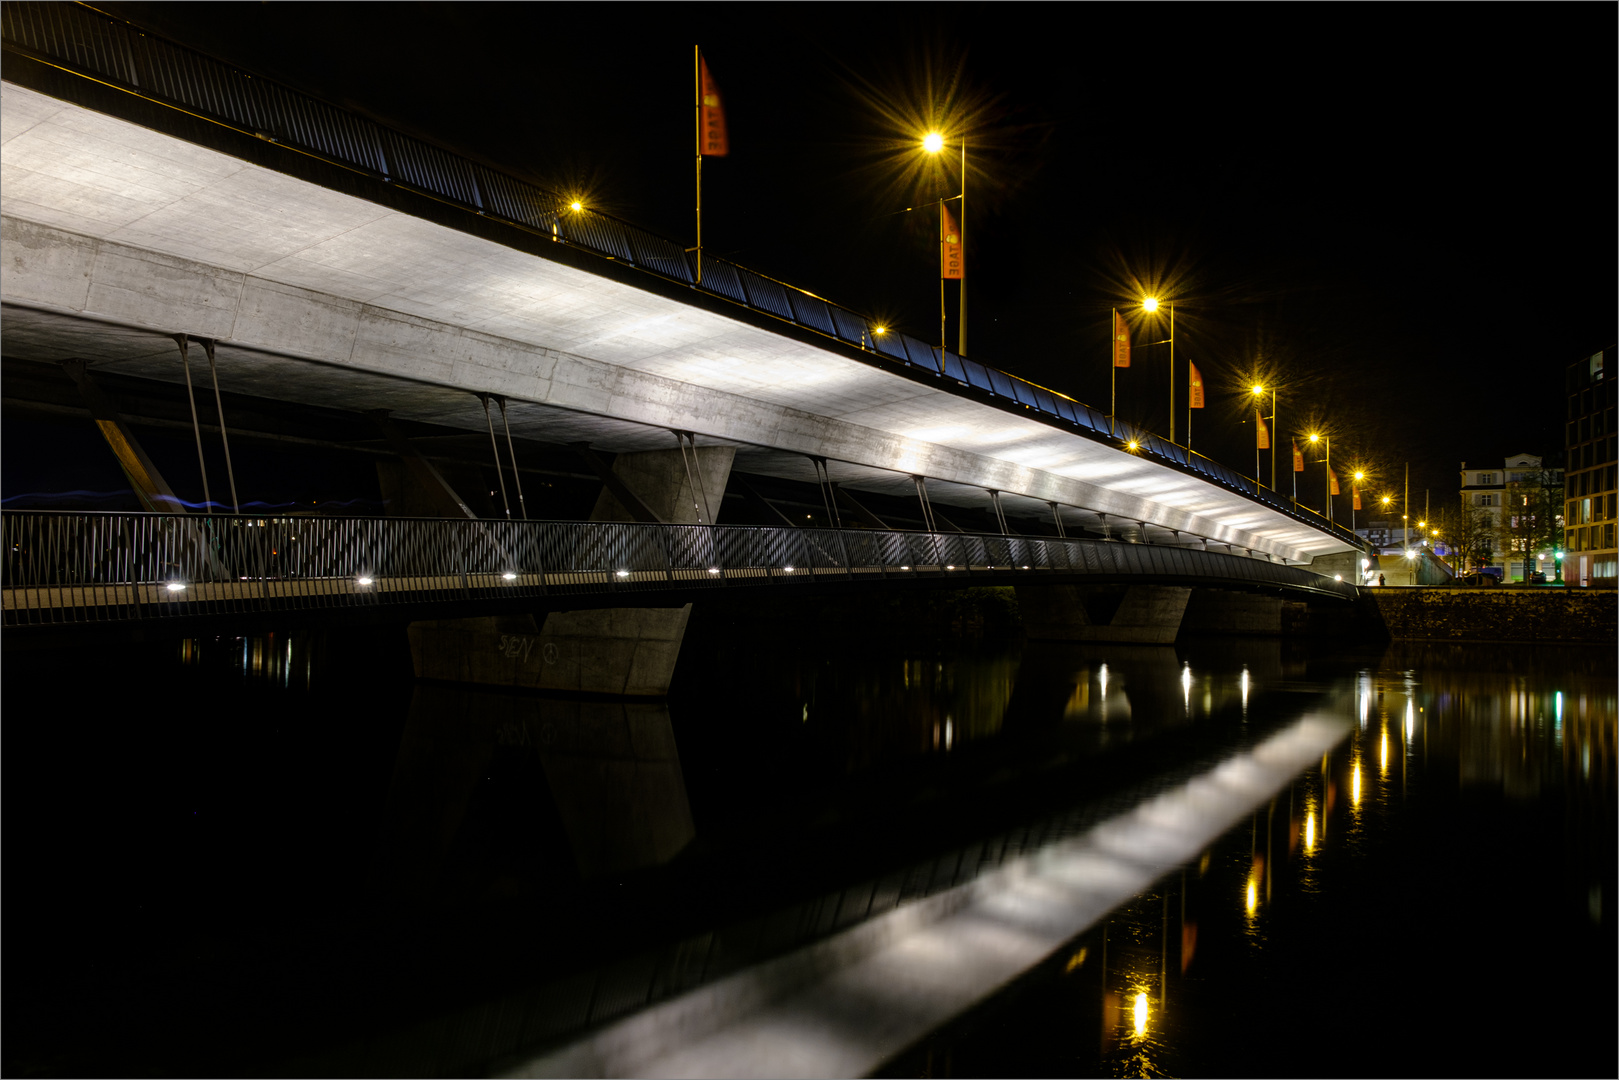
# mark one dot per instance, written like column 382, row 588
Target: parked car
column 1479, row 580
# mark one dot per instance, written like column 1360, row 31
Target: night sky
column 1404, row 215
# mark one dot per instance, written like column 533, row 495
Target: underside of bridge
column 186, row 291
column 126, row 223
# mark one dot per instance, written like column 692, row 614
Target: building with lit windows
column 1516, row 496
column 1592, row 558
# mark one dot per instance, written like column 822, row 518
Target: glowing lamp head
column 576, row 206
column 1360, row 475
column 1259, row 391
column 933, row 142
column 1314, row 437
column 1150, row 303
column 879, row 330
column 1134, row 445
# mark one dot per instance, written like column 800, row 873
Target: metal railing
column 83, row 41
column 63, row 567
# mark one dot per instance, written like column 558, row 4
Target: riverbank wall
column 1513, row 616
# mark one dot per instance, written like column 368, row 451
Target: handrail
column 92, row 567
column 81, row 40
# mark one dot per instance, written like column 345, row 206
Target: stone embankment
column 1509, row 615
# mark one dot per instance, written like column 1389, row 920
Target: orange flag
column 1355, row 491
column 1121, row 342
column 1262, row 433
column 1298, row 458
column 1196, row 397
column 949, row 244
column 1333, row 478
column 712, row 141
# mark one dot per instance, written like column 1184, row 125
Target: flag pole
column 961, row 235
column 697, row 130
column 1113, row 366
column 944, row 341
column 1172, row 375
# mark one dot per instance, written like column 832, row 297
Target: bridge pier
column 1219, row 611
column 624, row 652
column 1138, row 614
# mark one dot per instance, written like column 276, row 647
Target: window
column 1486, row 500
column 1486, row 478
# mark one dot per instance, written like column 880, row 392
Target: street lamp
column 1316, row 437
column 1150, row 305
column 933, row 143
column 1259, row 392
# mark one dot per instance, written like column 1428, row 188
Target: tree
column 1532, row 516
column 1469, row 532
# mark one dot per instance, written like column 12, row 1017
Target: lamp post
column 1259, row 392
column 933, row 143
column 1316, row 437
column 1150, row 305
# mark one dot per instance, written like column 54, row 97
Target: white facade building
column 1489, row 489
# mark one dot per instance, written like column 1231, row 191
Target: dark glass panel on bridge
column 1001, row 382
column 596, row 232
column 850, row 327
column 919, row 354
column 766, row 295
column 663, row 256
column 951, row 364
column 442, row 173
column 1024, row 392
column 811, row 312
column 722, row 278
column 976, row 375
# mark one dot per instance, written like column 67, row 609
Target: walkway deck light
column 177, row 586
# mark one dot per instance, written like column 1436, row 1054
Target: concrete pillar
column 628, row 652
column 1139, row 614
column 1217, row 611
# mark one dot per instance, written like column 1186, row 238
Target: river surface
column 283, row 854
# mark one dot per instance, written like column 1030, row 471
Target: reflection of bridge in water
column 831, row 985
column 828, row 984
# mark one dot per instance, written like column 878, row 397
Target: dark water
column 282, row 854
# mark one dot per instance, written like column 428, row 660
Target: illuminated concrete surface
column 847, row 1005
column 115, row 236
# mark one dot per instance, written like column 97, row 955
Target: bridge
column 161, row 207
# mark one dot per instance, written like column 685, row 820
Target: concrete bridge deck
column 131, row 213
